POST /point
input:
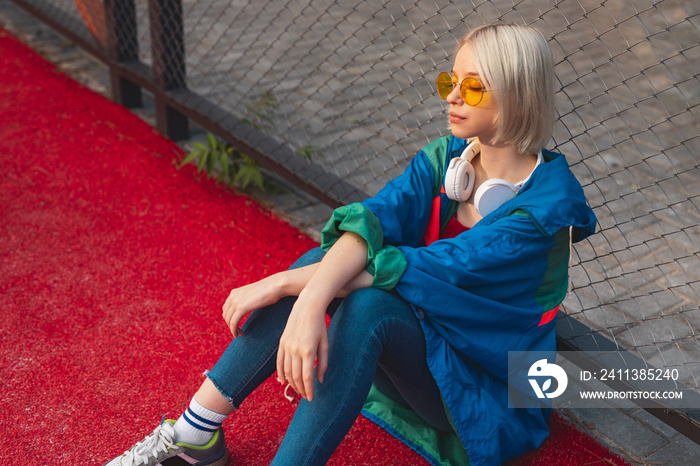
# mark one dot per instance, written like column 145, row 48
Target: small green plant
column 235, row 167
column 259, row 113
column 309, row 151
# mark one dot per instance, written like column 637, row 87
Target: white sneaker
column 161, row 449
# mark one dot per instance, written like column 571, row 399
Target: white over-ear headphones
column 459, row 182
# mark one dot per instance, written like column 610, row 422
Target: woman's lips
column 454, row 118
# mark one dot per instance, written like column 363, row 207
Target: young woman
column 429, row 284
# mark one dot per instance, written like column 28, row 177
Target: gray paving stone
column 621, row 431
column 680, row 452
column 663, row 329
column 652, row 422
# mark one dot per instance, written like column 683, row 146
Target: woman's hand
column 305, row 338
column 248, row 298
column 304, row 344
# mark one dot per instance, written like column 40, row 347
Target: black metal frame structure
column 175, row 105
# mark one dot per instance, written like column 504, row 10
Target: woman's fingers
column 289, row 369
column 307, row 376
column 232, row 318
column 233, row 325
column 243, row 300
column 322, row 359
column 281, row 377
column 297, row 380
column 296, row 366
column 305, row 336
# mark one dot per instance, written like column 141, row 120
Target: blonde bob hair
column 516, row 63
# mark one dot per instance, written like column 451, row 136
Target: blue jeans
column 374, row 336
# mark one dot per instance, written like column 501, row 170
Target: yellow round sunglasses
column 471, row 89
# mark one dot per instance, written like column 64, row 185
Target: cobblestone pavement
column 658, row 237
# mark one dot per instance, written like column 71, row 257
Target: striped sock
column 197, row 425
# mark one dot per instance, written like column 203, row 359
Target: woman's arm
column 293, row 281
column 304, row 340
column 245, row 299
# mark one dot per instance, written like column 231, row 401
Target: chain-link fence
column 352, row 86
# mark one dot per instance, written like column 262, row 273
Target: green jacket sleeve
column 385, row 263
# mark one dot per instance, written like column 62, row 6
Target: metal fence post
column 168, row 48
column 122, row 46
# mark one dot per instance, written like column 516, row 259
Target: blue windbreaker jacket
column 478, row 295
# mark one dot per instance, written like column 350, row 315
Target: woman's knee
column 364, row 310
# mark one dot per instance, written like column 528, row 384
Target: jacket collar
column 553, row 198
